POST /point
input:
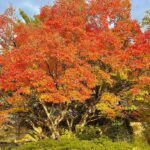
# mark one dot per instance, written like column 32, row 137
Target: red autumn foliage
column 53, row 59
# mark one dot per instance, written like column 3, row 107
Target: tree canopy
column 89, row 53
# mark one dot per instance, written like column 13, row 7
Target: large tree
column 88, row 52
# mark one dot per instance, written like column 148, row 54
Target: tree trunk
column 70, row 124
column 55, row 135
column 83, row 120
column 54, row 132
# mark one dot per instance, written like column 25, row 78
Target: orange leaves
column 24, row 90
column 102, row 76
column 55, row 97
column 135, row 90
column 76, row 83
column 109, row 105
column 3, row 117
column 127, row 30
column 49, row 59
column 145, row 80
column 45, row 12
column 72, row 50
column 140, row 52
column 110, row 98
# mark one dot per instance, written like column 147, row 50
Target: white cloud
column 35, row 8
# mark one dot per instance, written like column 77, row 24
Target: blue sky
column 32, row 6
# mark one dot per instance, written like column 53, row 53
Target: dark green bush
column 88, row 132
column 119, row 130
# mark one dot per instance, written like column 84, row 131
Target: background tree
column 7, row 35
column 146, row 19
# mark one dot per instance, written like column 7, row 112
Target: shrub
column 88, row 132
column 119, row 130
column 66, row 134
column 102, row 143
column 63, row 144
